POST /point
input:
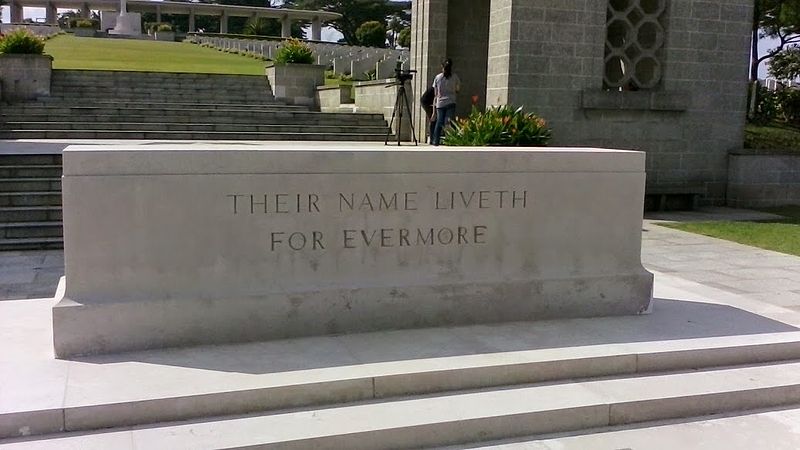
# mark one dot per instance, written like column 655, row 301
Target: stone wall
column 549, row 56
column 330, row 98
column 296, row 84
column 25, row 77
column 375, row 96
column 757, row 181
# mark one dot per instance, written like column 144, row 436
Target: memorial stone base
column 179, row 245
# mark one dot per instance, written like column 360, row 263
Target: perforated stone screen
column 634, row 39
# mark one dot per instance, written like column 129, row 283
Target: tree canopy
column 776, row 19
column 357, row 12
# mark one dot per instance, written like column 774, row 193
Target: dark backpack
column 427, row 97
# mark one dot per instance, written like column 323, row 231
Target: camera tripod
column 401, row 102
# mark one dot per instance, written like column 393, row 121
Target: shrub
column 164, row 27
column 789, row 100
column 85, row 23
column 371, row 34
column 499, row 126
column 404, row 38
column 21, row 41
column 294, row 52
column 766, row 108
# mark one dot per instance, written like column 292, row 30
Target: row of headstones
column 354, row 61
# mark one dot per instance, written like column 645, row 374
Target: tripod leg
column 391, row 122
column 410, row 117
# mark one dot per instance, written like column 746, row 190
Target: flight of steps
column 392, row 403
column 30, row 202
column 144, row 105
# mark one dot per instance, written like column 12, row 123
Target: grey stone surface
column 296, row 84
column 25, row 77
column 757, row 181
column 267, row 268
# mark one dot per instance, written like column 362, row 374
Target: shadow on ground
column 671, row 319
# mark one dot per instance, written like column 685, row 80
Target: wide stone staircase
column 30, row 202
column 413, row 388
column 150, row 106
column 143, row 105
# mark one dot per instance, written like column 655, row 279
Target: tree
column 395, row 27
column 777, row 19
column 404, row 38
column 356, row 12
column 371, row 34
column 786, row 64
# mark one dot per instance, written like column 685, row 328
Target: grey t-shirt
column 446, row 89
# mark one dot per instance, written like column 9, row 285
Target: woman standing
column 446, row 85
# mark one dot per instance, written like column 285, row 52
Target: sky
column 329, row 34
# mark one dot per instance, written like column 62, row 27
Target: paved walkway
column 759, row 274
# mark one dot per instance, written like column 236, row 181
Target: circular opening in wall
column 619, row 33
column 620, row 5
column 652, row 7
column 635, row 16
column 647, row 72
column 615, row 71
column 650, row 35
column 633, row 52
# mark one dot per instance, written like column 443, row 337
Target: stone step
column 188, row 97
column 193, row 127
column 740, row 431
column 165, row 109
column 254, row 119
column 261, row 113
column 30, row 184
column 199, row 103
column 37, row 159
column 44, row 243
column 655, row 378
column 45, row 198
column 29, row 170
column 470, row 417
column 24, row 230
column 30, row 214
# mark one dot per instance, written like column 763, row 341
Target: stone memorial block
column 171, row 245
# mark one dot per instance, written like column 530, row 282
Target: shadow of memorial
column 671, row 319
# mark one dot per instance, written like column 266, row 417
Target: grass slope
column 775, row 138
column 780, row 236
column 71, row 52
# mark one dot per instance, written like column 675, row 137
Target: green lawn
column 780, row 235
column 71, row 52
column 776, row 138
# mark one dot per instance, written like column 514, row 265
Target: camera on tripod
column 404, row 75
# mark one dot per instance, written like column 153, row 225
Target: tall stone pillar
column 428, row 48
column 85, row 11
column 51, row 13
column 17, row 14
column 316, row 29
column 192, row 27
column 223, row 22
column 500, row 39
column 286, row 27
column 158, row 13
